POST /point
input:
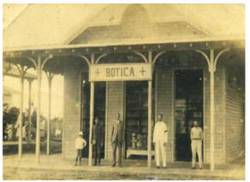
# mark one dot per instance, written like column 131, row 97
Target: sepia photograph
column 139, row 91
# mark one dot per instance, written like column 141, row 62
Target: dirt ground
column 55, row 167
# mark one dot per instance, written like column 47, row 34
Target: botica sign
column 120, row 72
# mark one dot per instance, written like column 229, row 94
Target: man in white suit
column 160, row 138
column 196, row 136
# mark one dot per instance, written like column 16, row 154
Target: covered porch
column 55, row 60
column 137, row 34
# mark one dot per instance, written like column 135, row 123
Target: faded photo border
column 247, row 58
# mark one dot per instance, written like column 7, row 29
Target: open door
column 99, row 109
column 188, row 107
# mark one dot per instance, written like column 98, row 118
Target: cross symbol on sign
column 142, row 71
column 97, row 72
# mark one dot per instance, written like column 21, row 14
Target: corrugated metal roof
column 55, row 25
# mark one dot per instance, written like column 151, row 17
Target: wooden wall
column 219, row 117
column 72, row 109
column 114, row 103
column 165, row 105
column 234, row 116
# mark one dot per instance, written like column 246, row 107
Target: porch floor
column 56, row 167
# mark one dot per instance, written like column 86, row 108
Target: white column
column 39, row 79
column 91, row 118
column 212, row 62
column 20, row 122
column 149, row 122
column 211, row 71
column 49, row 114
column 156, row 96
column 29, row 131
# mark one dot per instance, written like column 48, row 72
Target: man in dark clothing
column 33, row 121
column 6, row 119
column 33, row 118
column 97, row 141
column 117, row 140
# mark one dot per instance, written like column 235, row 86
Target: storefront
column 173, row 68
column 180, row 90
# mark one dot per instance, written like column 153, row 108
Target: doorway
column 136, row 125
column 188, row 107
column 99, row 109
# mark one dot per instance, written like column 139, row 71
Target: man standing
column 97, row 141
column 5, row 120
column 160, row 138
column 196, row 136
column 33, row 121
column 117, row 140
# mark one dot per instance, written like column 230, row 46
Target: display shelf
column 140, row 152
column 136, row 118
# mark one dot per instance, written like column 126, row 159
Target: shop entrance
column 136, row 125
column 134, row 108
column 99, row 109
column 188, row 107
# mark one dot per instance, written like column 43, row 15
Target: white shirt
column 196, row 133
column 80, row 143
column 160, row 132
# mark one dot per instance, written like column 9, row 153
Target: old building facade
column 184, row 57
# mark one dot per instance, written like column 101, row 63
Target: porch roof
column 56, row 26
column 202, row 43
column 62, row 53
column 11, row 70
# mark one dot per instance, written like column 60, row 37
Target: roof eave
column 129, row 43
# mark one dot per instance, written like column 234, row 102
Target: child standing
column 80, row 143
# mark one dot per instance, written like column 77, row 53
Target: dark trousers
column 116, row 145
column 78, row 156
column 97, row 153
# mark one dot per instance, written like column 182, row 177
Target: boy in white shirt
column 80, row 143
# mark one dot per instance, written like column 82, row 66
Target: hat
column 80, row 133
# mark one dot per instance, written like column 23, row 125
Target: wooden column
column 156, row 96
column 212, row 62
column 38, row 64
column 39, row 79
column 149, row 122
column 91, row 116
column 212, row 71
column 150, row 60
column 20, row 121
column 50, row 77
column 29, row 130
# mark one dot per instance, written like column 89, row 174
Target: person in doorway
column 97, row 141
column 80, row 143
column 196, row 136
column 160, row 139
column 117, row 140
